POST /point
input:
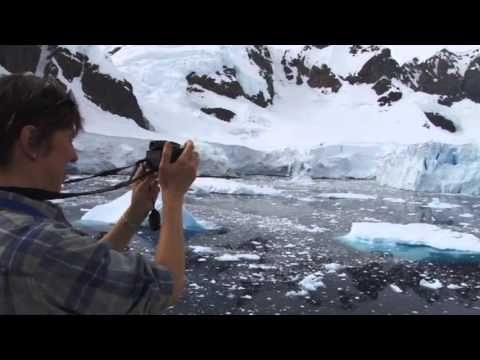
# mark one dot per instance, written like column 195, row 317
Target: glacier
column 433, row 167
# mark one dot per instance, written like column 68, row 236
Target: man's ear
column 28, row 143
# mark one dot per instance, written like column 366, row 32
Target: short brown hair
column 26, row 99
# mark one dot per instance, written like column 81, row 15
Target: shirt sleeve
column 79, row 275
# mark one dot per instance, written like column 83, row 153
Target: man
column 48, row 267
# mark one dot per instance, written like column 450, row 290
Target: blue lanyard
column 20, row 207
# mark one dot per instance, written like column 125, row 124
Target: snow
column 97, row 55
column 310, row 133
column 352, row 116
column 339, row 59
column 234, row 187
column 158, row 76
column 434, row 284
column 111, row 212
column 102, row 122
column 466, row 215
column 347, row 196
column 342, row 135
column 404, row 53
column 237, row 257
column 246, row 70
column 417, row 234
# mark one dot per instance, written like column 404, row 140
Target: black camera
column 154, row 154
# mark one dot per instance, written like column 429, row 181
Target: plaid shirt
column 48, row 267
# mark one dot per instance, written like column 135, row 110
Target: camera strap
column 107, row 172
column 39, row 194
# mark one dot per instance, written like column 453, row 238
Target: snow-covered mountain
column 329, row 110
column 266, row 97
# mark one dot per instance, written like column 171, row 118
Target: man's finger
column 139, row 172
column 187, row 152
column 166, row 154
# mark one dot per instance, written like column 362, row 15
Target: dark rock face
column 20, row 58
column 442, row 75
column 439, row 75
column 220, row 113
column 295, row 67
column 410, row 72
column 360, row 49
column 114, row 51
column 260, row 55
column 316, row 77
column 382, row 86
column 379, row 66
column 112, row 95
column 71, row 65
column 441, row 121
column 323, row 78
column 302, row 70
column 450, row 100
column 390, row 98
column 390, row 92
column 288, row 71
column 225, row 82
column 226, row 86
column 471, row 84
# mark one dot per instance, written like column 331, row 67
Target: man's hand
column 144, row 195
column 175, row 179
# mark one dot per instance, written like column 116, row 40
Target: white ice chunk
column 237, row 257
column 413, row 234
column 198, row 249
column 396, row 288
column 224, row 186
column 437, row 204
column 111, row 212
column 333, row 267
column 312, row 282
column 434, row 284
column 394, row 200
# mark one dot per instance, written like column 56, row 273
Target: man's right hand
column 176, row 178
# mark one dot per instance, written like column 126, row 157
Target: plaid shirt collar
column 48, row 209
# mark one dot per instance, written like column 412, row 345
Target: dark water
column 284, row 232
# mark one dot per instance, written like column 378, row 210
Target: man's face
column 55, row 160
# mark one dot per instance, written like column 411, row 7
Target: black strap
column 107, row 172
column 39, row 194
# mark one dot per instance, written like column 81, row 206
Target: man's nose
column 74, row 156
